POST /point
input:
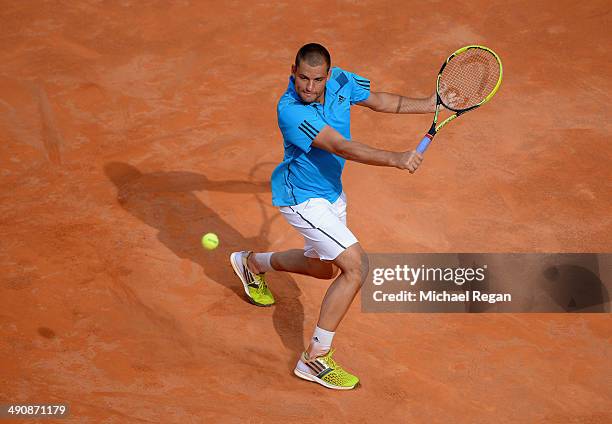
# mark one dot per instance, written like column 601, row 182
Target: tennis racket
column 467, row 79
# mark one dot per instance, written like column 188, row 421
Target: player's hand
column 409, row 160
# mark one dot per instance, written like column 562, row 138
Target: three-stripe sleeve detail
column 308, row 129
column 363, row 83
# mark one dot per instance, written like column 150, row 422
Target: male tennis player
column 314, row 119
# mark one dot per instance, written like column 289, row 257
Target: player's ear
column 293, row 69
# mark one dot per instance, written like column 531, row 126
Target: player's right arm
column 332, row 141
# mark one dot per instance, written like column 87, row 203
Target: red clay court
column 129, row 129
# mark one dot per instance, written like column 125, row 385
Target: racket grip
column 424, row 144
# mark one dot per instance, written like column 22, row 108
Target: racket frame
column 435, row 127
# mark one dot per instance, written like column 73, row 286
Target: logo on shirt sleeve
column 307, row 128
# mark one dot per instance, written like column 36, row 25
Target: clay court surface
column 129, row 129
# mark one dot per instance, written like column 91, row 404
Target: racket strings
column 469, row 78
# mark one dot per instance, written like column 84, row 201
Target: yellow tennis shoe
column 255, row 286
column 325, row 371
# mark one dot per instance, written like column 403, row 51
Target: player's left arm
column 395, row 103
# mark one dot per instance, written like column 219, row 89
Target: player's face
column 310, row 81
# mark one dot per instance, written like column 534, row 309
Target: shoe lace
column 331, row 362
column 261, row 282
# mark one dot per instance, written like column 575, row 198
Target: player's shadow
column 167, row 201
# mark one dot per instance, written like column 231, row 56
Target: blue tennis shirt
column 307, row 172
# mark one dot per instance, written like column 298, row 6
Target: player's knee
column 362, row 267
column 355, row 264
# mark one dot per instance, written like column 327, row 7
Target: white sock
column 321, row 341
column 263, row 261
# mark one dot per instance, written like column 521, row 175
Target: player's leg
column 251, row 267
column 354, row 266
column 294, row 261
column 329, row 237
column 317, row 364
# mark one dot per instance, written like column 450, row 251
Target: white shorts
column 323, row 225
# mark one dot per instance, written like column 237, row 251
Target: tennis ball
column 210, row 241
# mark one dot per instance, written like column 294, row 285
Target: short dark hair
column 314, row 54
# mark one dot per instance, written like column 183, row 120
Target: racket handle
column 424, row 144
